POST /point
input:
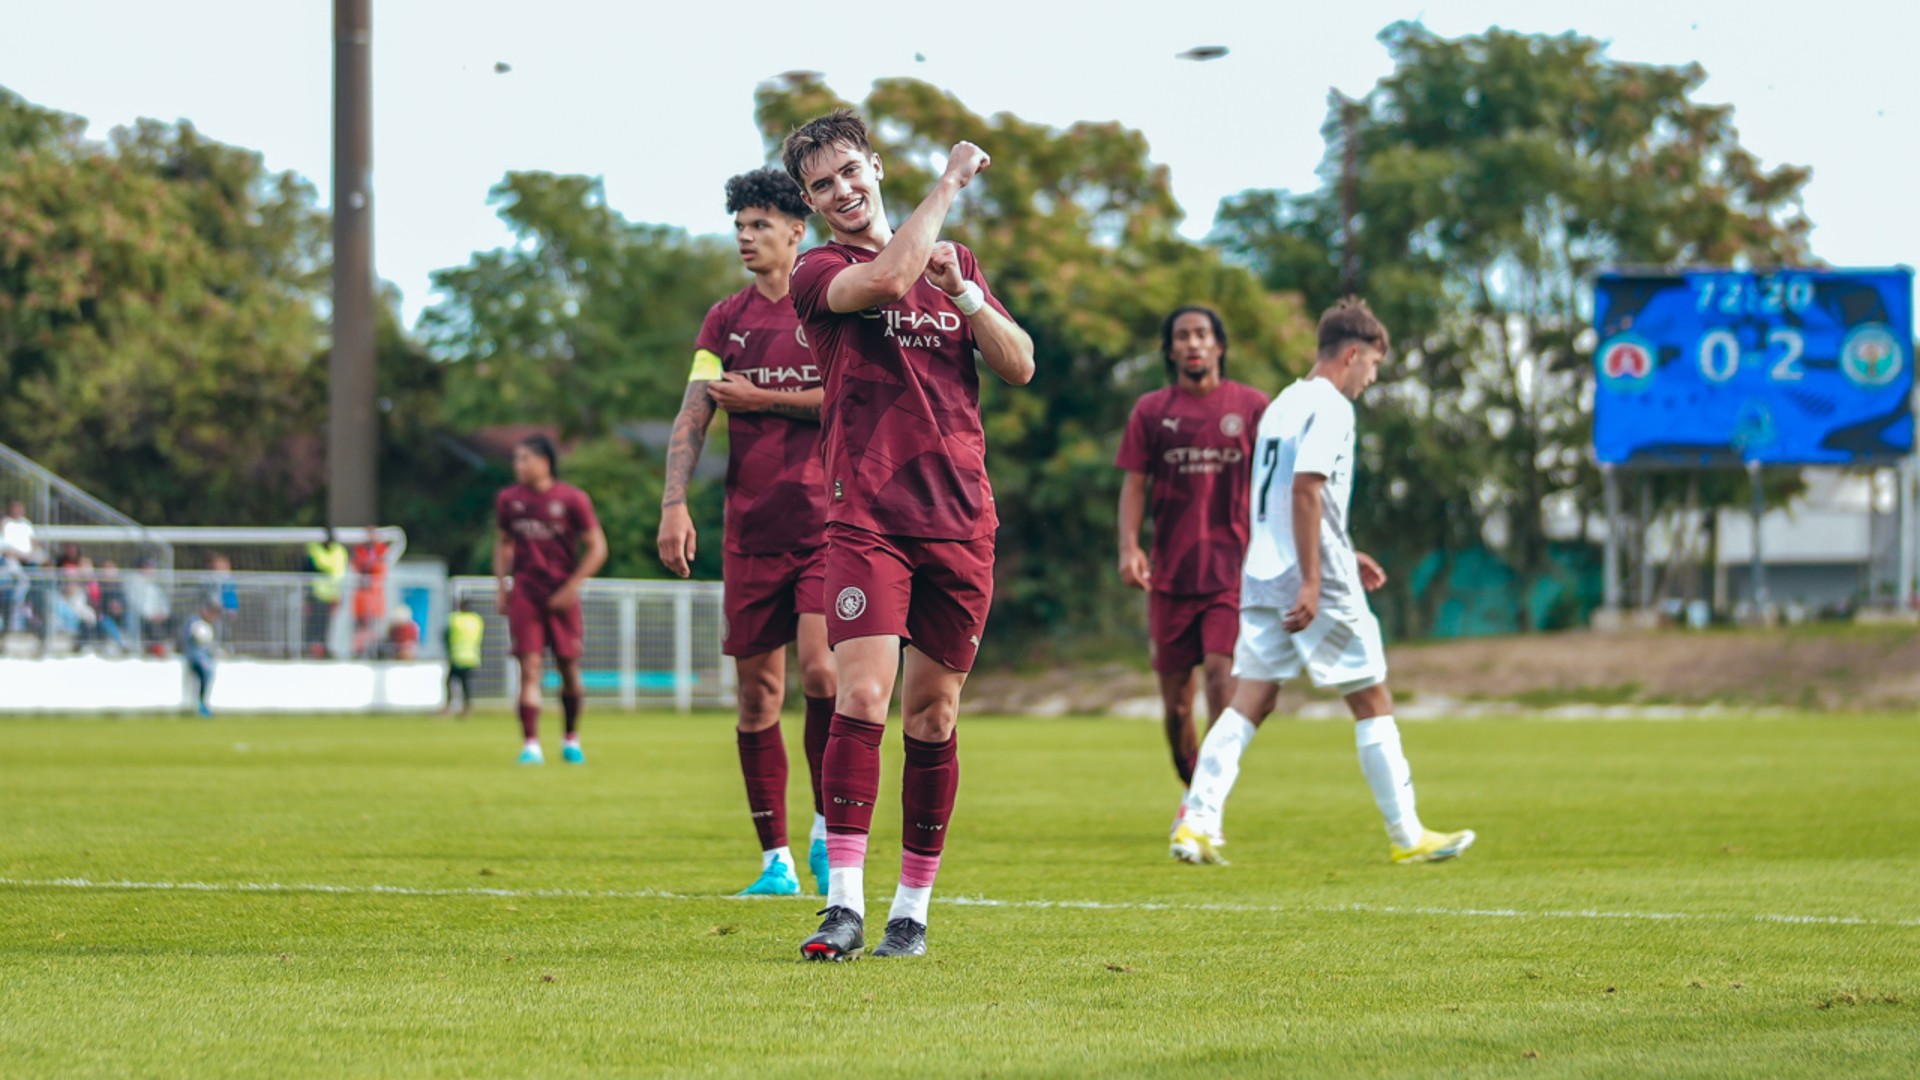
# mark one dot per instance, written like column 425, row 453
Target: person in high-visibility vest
column 465, row 630
column 328, row 562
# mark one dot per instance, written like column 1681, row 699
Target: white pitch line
column 956, row 901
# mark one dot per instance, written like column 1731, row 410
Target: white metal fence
column 648, row 643
column 52, row 503
column 111, row 611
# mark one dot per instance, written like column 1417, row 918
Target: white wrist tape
column 969, row 300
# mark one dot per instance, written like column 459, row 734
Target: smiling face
column 767, row 239
column 1196, row 348
column 842, row 184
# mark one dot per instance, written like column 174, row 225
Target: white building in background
column 1836, row 546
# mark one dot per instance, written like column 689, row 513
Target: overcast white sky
column 658, row 97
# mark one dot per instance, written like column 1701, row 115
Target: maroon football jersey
column 548, row 528
column 900, row 433
column 776, row 491
column 1197, row 453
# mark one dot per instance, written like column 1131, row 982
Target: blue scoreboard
column 1717, row 368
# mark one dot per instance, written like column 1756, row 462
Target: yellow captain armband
column 706, row 367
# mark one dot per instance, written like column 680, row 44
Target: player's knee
column 760, row 703
column 933, row 721
column 864, row 697
column 817, row 679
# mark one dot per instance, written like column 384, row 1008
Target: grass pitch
column 392, row 896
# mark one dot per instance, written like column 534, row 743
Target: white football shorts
column 1340, row 651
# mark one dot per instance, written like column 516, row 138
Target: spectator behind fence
column 149, row 607
column 403, row 638
column 196, row 647
column 370, row 593
column 328, row 562
column 80, row 612
column 110, row 600
column 466, row 628
column 19, row 549
column 223, row 593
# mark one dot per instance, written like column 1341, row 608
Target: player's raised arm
column 899, row 265
column 1306, row 546
column 1006, row 349
column 677, row 539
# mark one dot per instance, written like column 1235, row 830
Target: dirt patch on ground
column 1838, row 667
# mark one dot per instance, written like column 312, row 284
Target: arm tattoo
column 795, row 411
column 689, row 436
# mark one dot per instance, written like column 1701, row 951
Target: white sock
column 819, row 828
column 779, row 854
column 535, row 743
column 1217, row 769
column 1389, row 776
column 911, row 903
column 847, row 888
column 573, row 739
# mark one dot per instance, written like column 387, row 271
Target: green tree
column 586, row 322
column 1076, row 231
column 158, row 327
column 1470, row 196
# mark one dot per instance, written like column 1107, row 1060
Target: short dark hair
column 1166, row 335
column 1349, row 322
column 766, row 188
column 841, row 127
column 543, row 446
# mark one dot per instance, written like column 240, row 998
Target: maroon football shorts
column 767, row 594
column 932, row 593
column 1185, row 629
column 535, row 629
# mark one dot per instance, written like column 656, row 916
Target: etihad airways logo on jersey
column 915, row 329
column 766, row 376
column 1203, row 459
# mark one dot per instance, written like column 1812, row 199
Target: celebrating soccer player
column 1303, row 598
column 896, row 321
column 1192, row 444
column 752, row 360
column 550, row 542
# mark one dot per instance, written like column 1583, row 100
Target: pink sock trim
column 916, row 871
column 847, row 851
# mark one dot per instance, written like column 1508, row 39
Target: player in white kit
column 1303, row 604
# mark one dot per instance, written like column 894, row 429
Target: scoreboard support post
column 1909, row 476
column 1759, row 572
column 1611, row 483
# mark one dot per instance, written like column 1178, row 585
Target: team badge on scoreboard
column 1626, row 363
column 1871, row 356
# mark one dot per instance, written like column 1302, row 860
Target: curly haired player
column 751, row 359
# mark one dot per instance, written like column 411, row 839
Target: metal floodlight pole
column 353, row 433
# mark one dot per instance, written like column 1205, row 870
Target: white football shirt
column 1307, row 429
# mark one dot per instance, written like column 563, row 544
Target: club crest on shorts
column 850, row 603
column 1232, row 424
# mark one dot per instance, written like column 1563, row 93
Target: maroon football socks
column 819, row 722
column 763, row 762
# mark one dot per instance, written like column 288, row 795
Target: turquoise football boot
column 776, row 880
column 817, row 865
